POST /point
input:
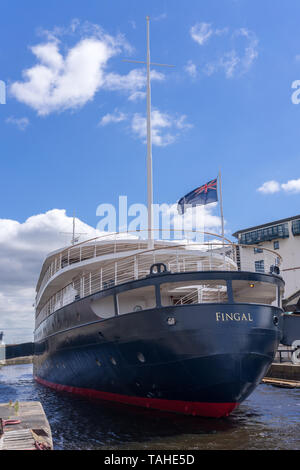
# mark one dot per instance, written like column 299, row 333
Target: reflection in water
column 268, row 419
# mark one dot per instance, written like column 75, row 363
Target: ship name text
column 233, row 316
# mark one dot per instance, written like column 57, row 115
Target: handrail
column 63, row 258
column 53, row 269
column 221, row 257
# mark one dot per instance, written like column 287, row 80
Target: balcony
column 296, row 227
column 265, row 234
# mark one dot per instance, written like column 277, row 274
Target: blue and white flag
column 205, row 194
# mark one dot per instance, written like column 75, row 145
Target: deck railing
column 208, row 257
column 115, row 244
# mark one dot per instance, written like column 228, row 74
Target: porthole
column 171, row 321
column 141, row 357
column 98, row 363
column 113, row 361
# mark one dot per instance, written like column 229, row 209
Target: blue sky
column 72, row 129
column 244, row 124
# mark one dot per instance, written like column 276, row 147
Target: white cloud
column 201, row 32
column 229, row 63
column 60, row 82
column 160, row 17
column 191, row 69
column 269, row 187
column 132, row 83
column 165, row 128
column 23, row 247
column 21, row 123
column 292, row 186
column 206, row 220
column 115, row 117
column 233, row 63
column 250, row 52
column 69, row 77
column 137, row 95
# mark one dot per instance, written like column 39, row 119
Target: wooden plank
column 32, row 432
column 281, row 382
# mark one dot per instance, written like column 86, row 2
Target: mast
column 221, row 205
column 73, row 237
column 149, row 138
column 149, row 147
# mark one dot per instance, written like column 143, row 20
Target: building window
column 276, row 245
column 265, row 234
column 258, row 250
column 296, row 227
column 260, row 266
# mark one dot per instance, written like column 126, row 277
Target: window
column 193, row 292
column 134, row 300
column 254, row 292
column 104, row 308
column 296, row 227
column 276, row 245
column 265, row 234
column 260, row 266
column 258, row 250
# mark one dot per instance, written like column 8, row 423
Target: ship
column 179, row 325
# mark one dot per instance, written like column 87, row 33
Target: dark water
column 269, row 419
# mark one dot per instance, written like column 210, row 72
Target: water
column 268, row 419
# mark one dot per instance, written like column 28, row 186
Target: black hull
column 204, row 364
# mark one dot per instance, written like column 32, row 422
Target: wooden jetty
column 17, row 361
column 24, row 427
column 284, row 374
column 281, row 382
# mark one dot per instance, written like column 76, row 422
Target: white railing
column 113, row 244
column 208, row 257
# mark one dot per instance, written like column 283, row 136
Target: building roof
column 275, row 222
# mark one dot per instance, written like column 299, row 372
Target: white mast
column 149, row 147
column 75, row 237
column 221, row 205
column 149, row 139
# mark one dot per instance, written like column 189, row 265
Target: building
column 281, row 236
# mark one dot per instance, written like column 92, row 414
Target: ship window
column 254, row 292
column 104, row 308
column 193, row 292
column 134, row 300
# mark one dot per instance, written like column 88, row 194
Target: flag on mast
column 205, row 194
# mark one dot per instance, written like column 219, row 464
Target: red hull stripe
column 213, row 410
